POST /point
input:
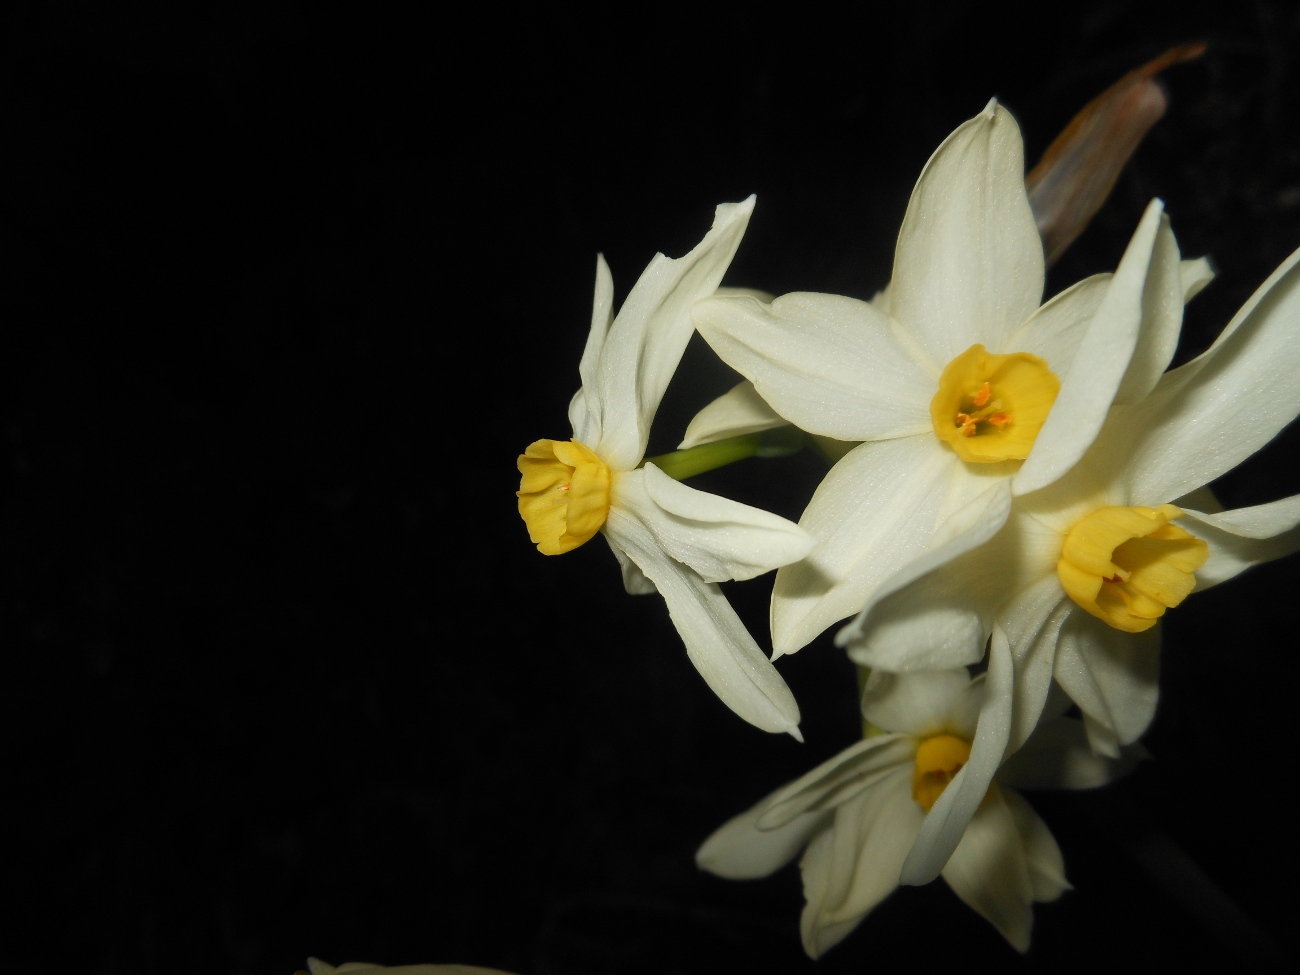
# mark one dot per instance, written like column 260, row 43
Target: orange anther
column 1000, row 419
column 981, row 395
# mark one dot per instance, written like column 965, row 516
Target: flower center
column 989, row 408
column 563, row 494
column 938, row 759
column 1128, row 565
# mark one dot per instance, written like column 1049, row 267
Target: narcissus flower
column 857, row 815
column 666, row 536
column 1070, row 581
column 959, row 385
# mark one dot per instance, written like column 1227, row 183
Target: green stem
column 681, row 464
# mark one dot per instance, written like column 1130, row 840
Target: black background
column 283, row 294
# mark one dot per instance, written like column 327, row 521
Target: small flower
column 666, row 536
column 1069, row 582
column 958, row 384
column 857, row 815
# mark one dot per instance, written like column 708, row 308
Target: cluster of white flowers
column 1019, row 496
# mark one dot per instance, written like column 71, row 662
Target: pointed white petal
column 716, row 640
column 1032, row 622
column 935, row 612
column 818, row 865
column 583, row 420
column 969, row 263
column 1054, row 331
column 1058, row 756
column 1206, row 417
column 829, row 365
column 988, row 871
column 952, row 812
column 1244, row 537
column 839, row 779
column 1112, row 676
column 634, row 581
column 1195, row 274
column 649, row 334
column 584, row 412
column 1162, row 319
column 720, row 539
column 1042, row 855
column 870, row 837
column 739, row 850
column 736, row 412
column 875, row 511
column 918, row 704
column 1090, row 381
column 727, row 291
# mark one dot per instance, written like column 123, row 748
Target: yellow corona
column 989, row 408
column 1126, row 566
column 938, row 760
column 563, row 494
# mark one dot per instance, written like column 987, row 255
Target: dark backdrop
column 284, row 293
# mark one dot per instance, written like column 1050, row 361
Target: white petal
column 1195, row 274
column 989, row 873
column 1032, row 623
column 584, row 414
column 819, row 934
column 969, row 263
column 830, row 365
column 935, row 612
column 875, row 511
column 729, row 291
column 739, row 850
column 720, row 539
column 869, row 838
column 634, row 581
column 1090, row 381
column 1209, row 415
column 1054, row 331
column 1058, row 756
column 918, row 703
column 1162, row 319
column 648, row 336
column 952, row 812
column 1113, row 676
column 716, row 640
column 1244, row 537
column 736, row 412
column 1042, row 855
column 840, row 778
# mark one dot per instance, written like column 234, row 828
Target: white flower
column 318, row 967
column 960, row 384
column 666, row 536
column 1073, row 578
column 859, row 813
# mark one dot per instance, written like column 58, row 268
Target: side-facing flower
column 857, row 815
column 1073, row 578
column 957, row 383
column 666, row 536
